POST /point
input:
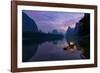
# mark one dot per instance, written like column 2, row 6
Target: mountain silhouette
column 28, row 24
column 69, row 32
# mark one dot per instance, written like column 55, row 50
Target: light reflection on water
column 50, row 51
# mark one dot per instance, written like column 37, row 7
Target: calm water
column 49, row 51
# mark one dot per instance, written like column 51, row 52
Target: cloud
column 47, row 21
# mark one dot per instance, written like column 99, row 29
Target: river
column 49, row 51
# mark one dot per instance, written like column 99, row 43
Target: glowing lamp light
column 71, row 43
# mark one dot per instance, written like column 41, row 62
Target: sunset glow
column 48, row 21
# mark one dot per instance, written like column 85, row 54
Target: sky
column 50, row 20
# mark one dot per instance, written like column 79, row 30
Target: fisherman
column 75, row 53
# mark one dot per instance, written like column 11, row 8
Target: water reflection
column 49, row 51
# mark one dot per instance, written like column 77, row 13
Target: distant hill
column 70, row 34
column 73, row 35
